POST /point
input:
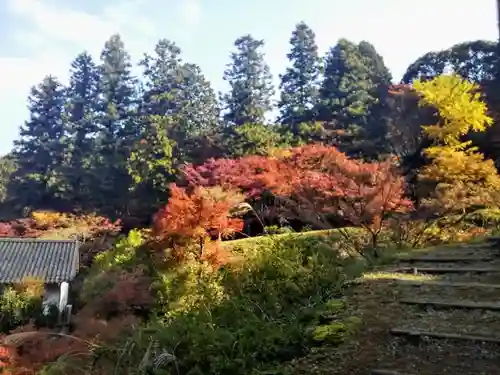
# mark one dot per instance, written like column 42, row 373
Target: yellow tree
column 458, row 177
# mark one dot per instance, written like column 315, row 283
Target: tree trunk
column 498, row 41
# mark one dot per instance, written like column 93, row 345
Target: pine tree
column 344, row 92
column 376, row 128
column 250, row 80
column 82, row 104
column 117, row 89
column 200, row 108
column 378, row 71
column 118, row 125
column 179, row 114
column 299, row 84
column 346, row 95
column 178, row 89
column 41, row 148
column 163, row 79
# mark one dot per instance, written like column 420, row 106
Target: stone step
column 443, row 335
column 458, row 321
column 386, row 372
column 444, row 354
column 493, row 306
column 451, row 284
column 449, row 259
column 416, row 270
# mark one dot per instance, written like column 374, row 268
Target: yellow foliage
column 459, row 105
column 50, row 219
column 458, row 174
column 31, row 287
column 454, row 166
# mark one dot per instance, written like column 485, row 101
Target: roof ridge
column 30, row 239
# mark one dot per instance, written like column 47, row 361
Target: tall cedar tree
column 175, row 88
column 82, row 103
column 151, row 163
column 345, row 93
column 8, row 166
column 118, row 125
column 198, row 115
column 179, row 111
column 299, row 85
column 250, row 83
column 41, row 150
column 377, row 123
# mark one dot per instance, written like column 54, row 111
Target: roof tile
column 52, row 261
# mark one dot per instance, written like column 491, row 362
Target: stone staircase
column 454, row 324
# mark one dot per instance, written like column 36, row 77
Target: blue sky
column 41, row 37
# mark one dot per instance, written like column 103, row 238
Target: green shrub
column 247, row 316
column 18, row 307
column 123, row 256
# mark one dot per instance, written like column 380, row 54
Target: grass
column 330, row 235
column 381, row 275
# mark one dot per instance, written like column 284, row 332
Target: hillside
column 439, row 317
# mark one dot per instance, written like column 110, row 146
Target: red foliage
column 196, row 214
column 192, row 216
column 130, row 293
column 41, row 346
column 242, row 173
column 31, row 228
column 313, row 180
column 26, row 228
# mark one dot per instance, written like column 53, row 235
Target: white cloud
column 50, row 37
column 59, row 24
column 191, row 12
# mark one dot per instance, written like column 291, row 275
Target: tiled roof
column 52, row 261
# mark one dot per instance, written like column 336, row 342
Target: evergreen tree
column 163, row 79
column 250, row 80
column 118, row 125
column 376, row 128
column 41, row 149
column 82, row 104
column 299, row 84
column 346, row 94
column 8, row 167
column 176, row 88
column 200, row 108
column 180, row 114
column 378, row 71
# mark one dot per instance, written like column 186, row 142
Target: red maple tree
column 313, row 182
column 195, row 215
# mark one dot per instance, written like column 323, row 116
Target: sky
column 41, row 37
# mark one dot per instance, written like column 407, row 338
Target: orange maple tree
column 193, row 216
column 313, row 183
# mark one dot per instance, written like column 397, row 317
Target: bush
column 117, row 281
column 20, row 303
column 406, row 233
column 251, row 314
